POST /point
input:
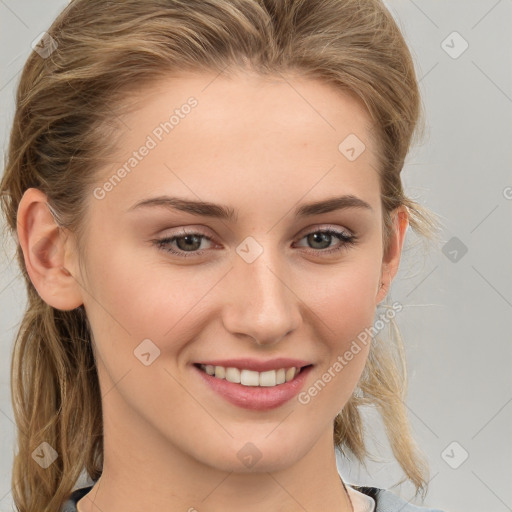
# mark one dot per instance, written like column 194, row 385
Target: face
column 169, row 286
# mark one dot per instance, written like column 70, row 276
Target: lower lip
column 256, row 397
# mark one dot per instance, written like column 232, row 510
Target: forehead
column 280, row 104
column 214, row 136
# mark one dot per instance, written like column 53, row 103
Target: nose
column 261, row 303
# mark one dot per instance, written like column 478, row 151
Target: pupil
column 317, row 237
column 190, row 240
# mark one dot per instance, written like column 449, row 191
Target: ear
column 45, row 251
column 391, row 259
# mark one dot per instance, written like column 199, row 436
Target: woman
column 207, row 201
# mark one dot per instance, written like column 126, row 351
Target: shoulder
column 386, row 501
column 70, row 504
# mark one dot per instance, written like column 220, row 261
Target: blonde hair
column 67, row 104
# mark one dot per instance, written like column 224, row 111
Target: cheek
column 138, row 296
column 344, row 300
column 132, row 292
column 120, row 304
column 345, row 297
column 135, row 301
column 345, row 303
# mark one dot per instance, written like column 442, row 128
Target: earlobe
column 44, row 246
column 391, row 259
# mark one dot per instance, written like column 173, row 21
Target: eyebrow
column 207, row 209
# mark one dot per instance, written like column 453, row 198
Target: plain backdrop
column 457, row 296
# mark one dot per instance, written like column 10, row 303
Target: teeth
column 269, row 378
column 232, row 375
column 249, row 378
column 290, row 373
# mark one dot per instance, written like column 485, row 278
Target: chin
column 258, row 455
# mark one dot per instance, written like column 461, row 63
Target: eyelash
column 345, row 239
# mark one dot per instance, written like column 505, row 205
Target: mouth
column 251, row 389
column 253, row 378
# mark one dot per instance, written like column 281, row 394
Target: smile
column 247, row 377
column 252, row 389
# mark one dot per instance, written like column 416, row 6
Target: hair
column 67, row 106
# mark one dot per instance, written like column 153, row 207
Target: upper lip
column 257, row 365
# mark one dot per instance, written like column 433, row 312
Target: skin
column 263, row 147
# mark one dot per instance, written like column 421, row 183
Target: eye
column 187, row 242
column 323, row 238
column 190, row 242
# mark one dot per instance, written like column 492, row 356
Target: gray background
column 456, row 322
